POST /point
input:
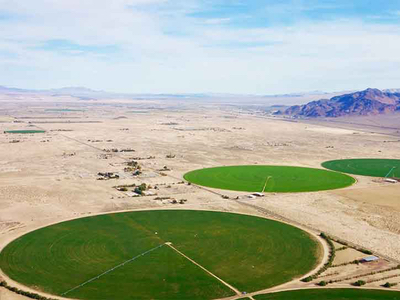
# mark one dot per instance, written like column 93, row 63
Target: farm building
column 132, row 194
column 390, row 180
column 370, row 259
column 258, row 194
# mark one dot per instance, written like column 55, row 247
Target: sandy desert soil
column 7, row 295
column 50, row 177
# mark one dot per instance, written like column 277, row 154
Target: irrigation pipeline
column 204, row 269
column 262, row 210
column 112, row 269
column 387, row 175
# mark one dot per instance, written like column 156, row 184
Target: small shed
column 390, row 180
column 258, row 194
column 132, row 194
column 369, row 259
column 148, row 193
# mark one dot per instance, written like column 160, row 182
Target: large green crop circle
column 84, row 258
column 366, row 166
column 281, row 179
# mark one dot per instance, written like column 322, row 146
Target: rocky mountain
column 368, row 102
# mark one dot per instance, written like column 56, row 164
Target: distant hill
column 368, row 102
column 84, row 93
column 5, row 90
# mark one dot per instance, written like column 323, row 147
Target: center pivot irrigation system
column 265, row 185
column 391, row 170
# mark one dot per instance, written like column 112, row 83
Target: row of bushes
column 342, row 248
column 363, row 282
column 387, row 277
column 345, row 244
column 24, row 293
column 366, row 274
column 329, row 274
column 328, row 264
column 354, row 262
column 365, row 251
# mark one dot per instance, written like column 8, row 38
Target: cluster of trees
column 332, row 253
column 359, row 283
column 24, row 293
column 322, row 283
column 389, row 284
column 134, row 164
column 140, row 189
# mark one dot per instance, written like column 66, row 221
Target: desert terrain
column 50, row 177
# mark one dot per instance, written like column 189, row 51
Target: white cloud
column 161, row 49
column 217, row 21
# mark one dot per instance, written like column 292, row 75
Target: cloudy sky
column 172, row 46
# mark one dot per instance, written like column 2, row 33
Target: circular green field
column 366, row 166
column 281, row 179
column 332, row 294
column 127, row 255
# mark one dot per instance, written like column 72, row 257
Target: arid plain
column 53, row 176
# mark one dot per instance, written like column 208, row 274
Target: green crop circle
column 279, row 179
column 126, row 255
column 366, row 166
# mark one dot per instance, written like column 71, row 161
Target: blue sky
column 172, row 46
column 273, row 13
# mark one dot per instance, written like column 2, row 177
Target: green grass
column 164, row 271
column 282, row 179
column 332, row 294
column 365, row 166
column 24, row 131
column 248, row 252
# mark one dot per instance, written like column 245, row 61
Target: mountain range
column 367, row 102
column 89, row 94
column 362, row 103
